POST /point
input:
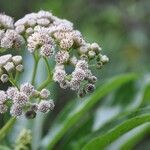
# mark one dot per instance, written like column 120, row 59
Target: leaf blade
column 59, row 130
column 102, row 141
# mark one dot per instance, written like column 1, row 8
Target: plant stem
column 5, row 129
column 47, row 65
column 49, row 79
column 16, row 76
column 45, row 83
column 12, row 81
column 36, row 60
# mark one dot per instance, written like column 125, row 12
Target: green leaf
column 137, row 101
column 104, row 140
column 59, row 129
column 133, row 139
column 4, row 147
column 4, row 130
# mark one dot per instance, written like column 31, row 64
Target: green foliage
column 104, row 140
column 117, row 115
column 59, row 128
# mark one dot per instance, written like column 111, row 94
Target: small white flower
column 88, row 73
column 43, row 22
column 20, row 29
column 73, row 60
column 2, row 33
column 4, row 59
column 59, row 35
column 84, row 49
column 11, row 92
column 3, row 108
column 104, row 59
column 64, row 84
column 66, row 43
column 6, row 43
column 20, row 99
column 16, row 110
column 12, row 39
column 61, row 57
column 47, row 50
column 78, row 39
column 78, row 74
column 31, row 22
column 95, row 47
column 3, row 97
column 4, row 78
column 75, row 84
column 29, row 31
column 38, row 39
column 17, row 59
column 44, row 94
column 6, row 21
column 44, row 14
column 19, row 68
column 59, row 75
column 82, row 64
column 91, row 54
column 92, row 79
column 27, row 89
column 9, row 67
column 45, row 106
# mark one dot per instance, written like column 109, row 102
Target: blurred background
column 121, row 27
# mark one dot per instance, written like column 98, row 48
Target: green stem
column 5, row 129
column 12, row 81
column 45, row 83
column 16, row 76
column 47, row 66
column 36, row 60
column 49, row 79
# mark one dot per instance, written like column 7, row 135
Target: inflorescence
column 20, row 101
column 50, row 37
column 9, row 65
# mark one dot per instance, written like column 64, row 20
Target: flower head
column 45, row 106
column 20, row 99
column 16, row 110
column 3, row 97
column 27, row 89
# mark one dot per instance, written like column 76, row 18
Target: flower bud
column 89, row 88
column 4, row 78
column 104, row 59
column 4, row 59
column 95, row 47
column 44, row 94
column 30, row 114
column 9, row 67
column 17, row 60
column 19, row 68
column 91, row 54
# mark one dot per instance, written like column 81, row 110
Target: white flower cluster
column 9, row 38
column 81, row 79
column 20, row 99
column 47, row 35
column 48, row 32
column 6, row 22
column 9, row 64
column 34, row 26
